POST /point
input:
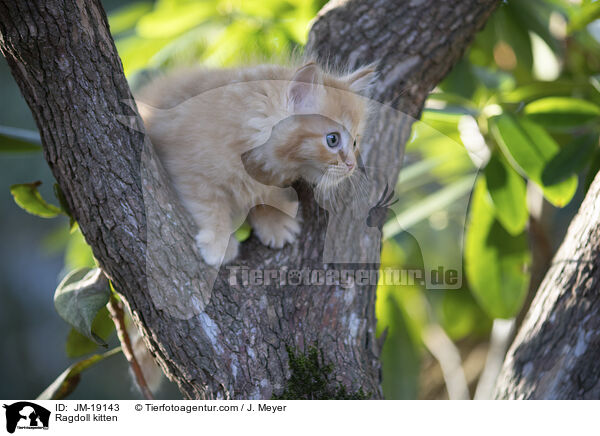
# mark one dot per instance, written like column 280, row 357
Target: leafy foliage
column 562, row 112
column 518, row 117
column 507, row 192
column 13, row 140
column 213, row 32
column 70, row 378
column 495, row 259
column 78, row 345
column 531, row 148
column 79, row 297
column 26, row 195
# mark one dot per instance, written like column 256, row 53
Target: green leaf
column 481, row 51
column 187, row 48
column 243, row 232
column 571, row 159
column 79, row 298
column 28, row 198
column 495, row 261
column 529, row 148
column 60, row 196
column 136, row 52
column 167, row 22
column 459, row 82
column 509, row 30
column 593, row 169
column 508, row 193
column 78, row 345
column 69, row 379
column 562, row 112
column 461, row 316
column 401, row 359
column 582, row 16
column 267, row 8
column 535, row 16
column 126, row 17
column 78, row 253
column 494, row 79
column 536, row 90
column 238, row 37
column 423, row 209
column 13, row 140
column 402, row 312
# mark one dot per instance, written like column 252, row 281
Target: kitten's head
column 320, row 139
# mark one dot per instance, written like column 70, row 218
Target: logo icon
column 26, row 415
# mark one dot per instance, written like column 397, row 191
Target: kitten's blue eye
column 333, row 139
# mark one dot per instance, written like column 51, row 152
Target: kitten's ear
column 362, row 78
column 303, row 89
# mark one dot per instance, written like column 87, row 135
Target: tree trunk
column 556, row 354
column 225, row 339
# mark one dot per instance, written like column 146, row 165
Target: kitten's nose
column 350, row 165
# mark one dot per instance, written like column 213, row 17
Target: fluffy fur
column 233, row 139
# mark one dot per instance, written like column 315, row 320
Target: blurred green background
column 506, row 148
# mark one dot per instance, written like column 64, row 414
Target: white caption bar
column 296, row 417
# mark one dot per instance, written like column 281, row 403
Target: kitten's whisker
column 363, row 184
column 358, row 184
column 363, row 189
column 332, row 192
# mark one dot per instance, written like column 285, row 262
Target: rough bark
column 64, row 60
column 556, row 353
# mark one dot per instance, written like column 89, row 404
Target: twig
column 117, row 314
column 448, row 356
column 541, row 247
column 502, row 333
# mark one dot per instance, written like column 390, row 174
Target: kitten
column 232, row 139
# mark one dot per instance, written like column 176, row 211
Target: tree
column 556, row 353
column 63, row 58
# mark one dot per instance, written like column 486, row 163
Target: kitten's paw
column 285, row 206
column 276, row 230
column 215, row 249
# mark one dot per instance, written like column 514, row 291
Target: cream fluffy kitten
column 232, row 139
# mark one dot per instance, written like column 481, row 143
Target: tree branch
column 556, row 352
column 225, row 341
column 115, row 308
